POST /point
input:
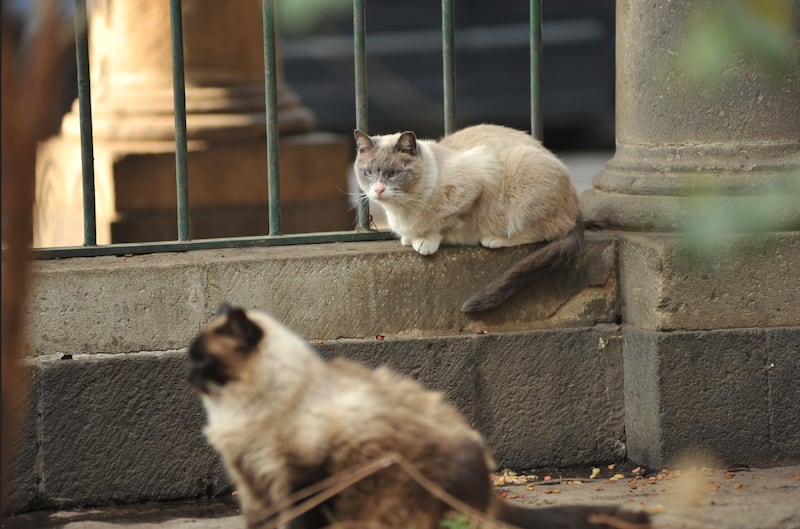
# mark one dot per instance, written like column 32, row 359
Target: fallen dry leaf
column 548, row 478
column 552, row 491
column 636, row 471
column 595, row 473
column 617, row 476
column 654, row 509
column 598, row 489
column 379, row 337
column 738, row 485
column 530, row 487
column 611, row 467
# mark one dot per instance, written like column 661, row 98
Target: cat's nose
column 378, row 188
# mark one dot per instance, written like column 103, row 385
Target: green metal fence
column 274, row 238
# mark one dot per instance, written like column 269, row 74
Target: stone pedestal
column 712, row 348
column 133, row 122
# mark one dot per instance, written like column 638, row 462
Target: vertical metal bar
column 536, row 68
column 85, row 117
column 179, row 99
column 449, row 67
column 360, row 57
column 271, row 95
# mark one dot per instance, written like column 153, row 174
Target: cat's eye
column 391, row 173
column 367, row 173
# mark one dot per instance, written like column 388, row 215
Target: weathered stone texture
column 726, row 393
column 746, row 282
column 521, row 390
column 123, row 428
column 325, row 291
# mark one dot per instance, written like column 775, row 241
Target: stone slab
column 126, row 428
column 122, row 429
column 116, row 304
column 550, row 397
column 20, row 477
column 744, row 282
column 324, row 291
column 729, row 394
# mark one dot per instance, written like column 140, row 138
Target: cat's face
column 388, row 168
column 220, row 354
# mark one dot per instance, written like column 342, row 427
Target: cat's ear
column 407, row 143
column 363, row 141
column 238, row 326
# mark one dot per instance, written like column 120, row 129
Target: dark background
column 404, row 68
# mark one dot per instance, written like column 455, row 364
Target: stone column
column 131, row 74
column 711, row 349
column 680, row 135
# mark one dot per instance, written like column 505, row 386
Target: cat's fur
column 282, row 418
column 487, row 185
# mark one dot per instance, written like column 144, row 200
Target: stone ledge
column 326, row 291
column 749, row 283
column 127, row 427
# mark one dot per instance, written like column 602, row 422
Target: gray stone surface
column 117, row 304
column 725, row 393
column 325, row 291
column 552, row 397
column 127, row 428
column 20, row 478
column 744, row 282
column 539, row 398
column 122, row 428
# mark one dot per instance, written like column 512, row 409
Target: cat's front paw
column 426, row 246
column 405, row 240
column 492, row 242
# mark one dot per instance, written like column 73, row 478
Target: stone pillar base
column 660, row 187
column 136, row 196
column 711, row 350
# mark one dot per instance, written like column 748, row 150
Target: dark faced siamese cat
column 487, row 185
column 283, row 419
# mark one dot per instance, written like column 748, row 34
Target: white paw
column 426, row 246
column 492, row 242
column 405, row 241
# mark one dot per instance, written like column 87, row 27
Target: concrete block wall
column 631, row 352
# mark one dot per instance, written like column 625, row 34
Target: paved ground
column 701, row 499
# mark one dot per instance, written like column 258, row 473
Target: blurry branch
column 30, row 70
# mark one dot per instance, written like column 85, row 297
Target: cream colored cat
column 487, row 185
column 283, row 419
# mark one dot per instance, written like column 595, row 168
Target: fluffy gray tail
column 542, row 261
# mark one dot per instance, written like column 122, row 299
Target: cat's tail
column 569, row 517
column 540, row 262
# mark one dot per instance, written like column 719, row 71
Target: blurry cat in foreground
column 283, row 419
column 487, row 185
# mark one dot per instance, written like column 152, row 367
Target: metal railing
column 90, row 247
